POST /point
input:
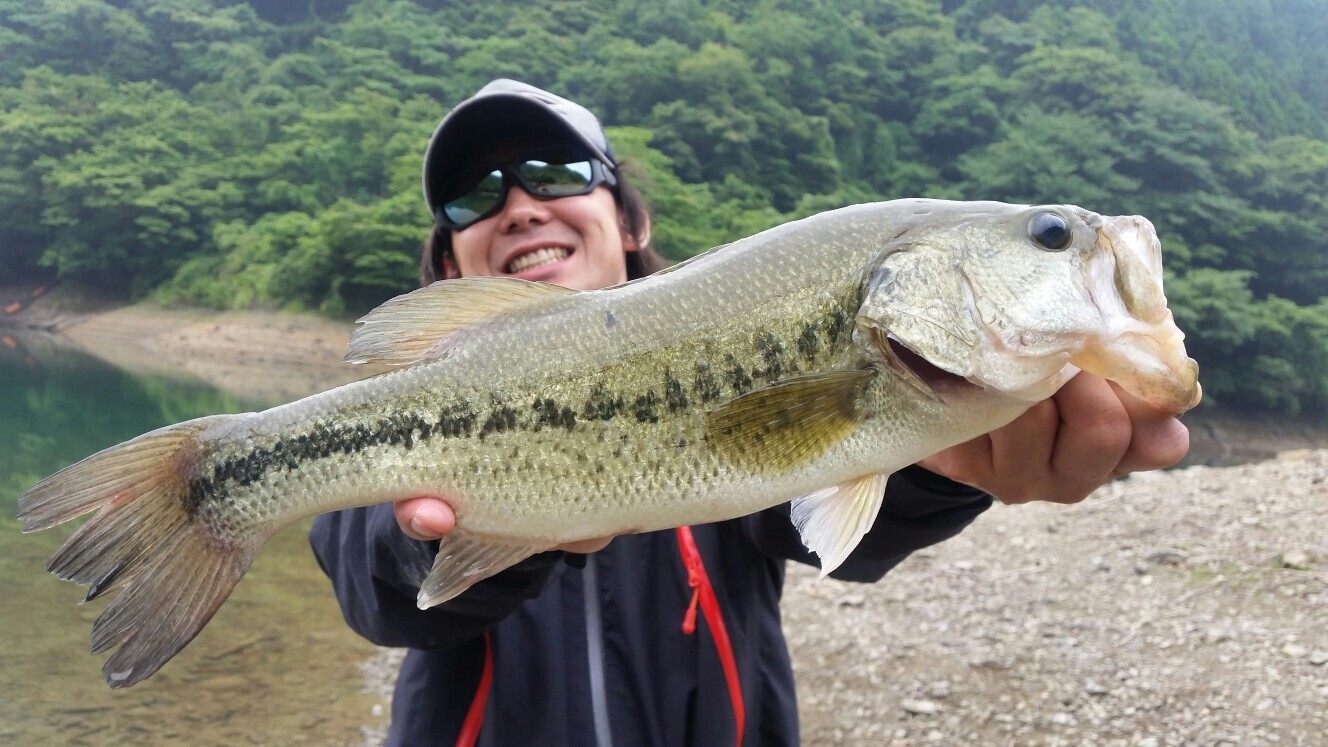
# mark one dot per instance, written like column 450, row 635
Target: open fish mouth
column 923, row 371
column 913, row 366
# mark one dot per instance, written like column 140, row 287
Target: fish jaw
column 988, row 305
column 1139, row 346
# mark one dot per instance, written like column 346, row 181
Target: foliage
column 266, row 153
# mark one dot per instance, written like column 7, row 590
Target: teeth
column 536, row 258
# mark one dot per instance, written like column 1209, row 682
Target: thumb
column 425, row 517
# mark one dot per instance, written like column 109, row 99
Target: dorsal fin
column 417, row 326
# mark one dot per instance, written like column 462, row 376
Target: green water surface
column 275, row 666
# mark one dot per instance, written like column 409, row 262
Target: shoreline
column 263, row 357
column 273, row 357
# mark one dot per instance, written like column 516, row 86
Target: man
column 599, row 642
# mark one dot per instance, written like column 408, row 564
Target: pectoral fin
column 423, row 324
column 463, row 561
column 833, row 520
column 786, row 425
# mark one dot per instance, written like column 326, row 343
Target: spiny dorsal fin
column 416, row 326
column 786, row 425
column 833, row 520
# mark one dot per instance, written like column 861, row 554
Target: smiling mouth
column 538, row 258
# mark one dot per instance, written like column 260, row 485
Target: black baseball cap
column 502, row 109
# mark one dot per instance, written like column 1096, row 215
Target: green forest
column 267, row 153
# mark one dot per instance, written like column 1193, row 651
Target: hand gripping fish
column 805, row 363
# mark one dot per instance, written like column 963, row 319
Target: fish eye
column 1050, row 230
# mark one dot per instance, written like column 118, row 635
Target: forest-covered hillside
column 267, row 153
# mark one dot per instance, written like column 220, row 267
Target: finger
column 969, row 462
column 1021, row 455
column 1160, row 440
column 587, row 546
column 1095, row 433
column 425, row 518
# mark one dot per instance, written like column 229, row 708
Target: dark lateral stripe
column 768, row 362
column 322, row 442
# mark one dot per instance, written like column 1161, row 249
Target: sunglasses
column 540, row 179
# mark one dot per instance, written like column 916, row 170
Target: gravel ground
column 1187, row 608
column 1180, row 608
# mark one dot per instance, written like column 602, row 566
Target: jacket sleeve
column 920, row 509
column 376, row 571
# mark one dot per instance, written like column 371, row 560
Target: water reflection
column 276, row 666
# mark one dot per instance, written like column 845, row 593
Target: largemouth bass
column 804, row 363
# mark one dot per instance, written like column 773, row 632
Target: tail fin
column 170, row 572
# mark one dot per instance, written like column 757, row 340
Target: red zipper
column 704, row 595
column 470, row 728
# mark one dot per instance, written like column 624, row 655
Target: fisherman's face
column 577, row 242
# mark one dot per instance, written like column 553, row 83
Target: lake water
column 275, row 666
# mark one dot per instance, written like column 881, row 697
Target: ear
column 450, row 269
column 634, row 243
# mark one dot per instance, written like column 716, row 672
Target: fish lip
column 526, row 247
column 1140, row 347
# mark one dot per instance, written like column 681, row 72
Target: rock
column 1319, row 658
column 1063, row 719
column 940, row 689
column 1297, row 559
column 920, row 707
column 1167, row 556
column 226, row 682
column 1295, row 650
column 1093, row 688
column 1294, row 455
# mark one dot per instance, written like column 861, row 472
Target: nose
column 520, row 211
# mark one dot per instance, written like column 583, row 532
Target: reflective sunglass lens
column 471, row 206
column 540, row 179
column 555, row 179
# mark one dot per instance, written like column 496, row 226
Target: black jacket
column 567, row 667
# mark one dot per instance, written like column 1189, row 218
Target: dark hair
column 635, row 217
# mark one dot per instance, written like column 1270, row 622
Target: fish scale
column 360, row 434
column 805, row 363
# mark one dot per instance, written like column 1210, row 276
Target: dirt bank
column 261, row 357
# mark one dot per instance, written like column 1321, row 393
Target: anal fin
column 833, row 520
column 463, row 561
